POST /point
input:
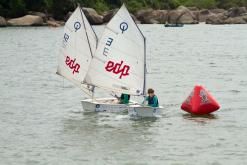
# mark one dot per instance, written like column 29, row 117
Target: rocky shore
column 184, row 15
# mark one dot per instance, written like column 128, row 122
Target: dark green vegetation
column 58, row 8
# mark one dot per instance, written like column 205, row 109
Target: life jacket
column 122, row 96
column 151, row 100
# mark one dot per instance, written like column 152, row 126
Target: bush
column 17, row 8
column 101, row 6
column 134, row 5
column 208, row 4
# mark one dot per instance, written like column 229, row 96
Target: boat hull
column 144, row 111
column 105, row 105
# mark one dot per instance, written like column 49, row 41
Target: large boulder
column 173, row 16
column 27, row 20
column 244, row 17
column 193, row 8
column 235, row 20
column 160, row 15
column 188, row 18
column 92, row 16
column 52, row 23
column 108, row 15
column 236, row 11
column 66, row 17
column 134, row 18
column 196, row 13
column 216, row 19
column 42, row 15
column 150, row 16
column 3, row 22
column 204, row 14
column 182, row 15
column 218, row 11
column 144, row 16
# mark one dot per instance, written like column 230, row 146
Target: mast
column 145, row 63
column 93, row 87
column 86, row 31
column 145, row 69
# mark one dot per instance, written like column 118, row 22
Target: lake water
column 42, row 122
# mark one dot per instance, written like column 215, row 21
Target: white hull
column 145, row 111
column 105, row 105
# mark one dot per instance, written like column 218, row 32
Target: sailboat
column 115, row 63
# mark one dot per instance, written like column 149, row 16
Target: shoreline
column 181, row 15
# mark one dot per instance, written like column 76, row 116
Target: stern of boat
column 145, row 111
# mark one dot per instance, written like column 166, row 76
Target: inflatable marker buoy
column 200, row 102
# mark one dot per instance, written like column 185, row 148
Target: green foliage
column 15, row 8
column 101, row 6
column 174, row 4
column 35, row 5
column 226, row 3
column 61, row 8
column 208, row 4
column 134, row 5
column 48, row 4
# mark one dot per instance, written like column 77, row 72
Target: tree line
column 59, row 8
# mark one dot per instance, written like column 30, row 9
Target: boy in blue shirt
column 152, row 98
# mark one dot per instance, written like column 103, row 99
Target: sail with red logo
column 119, row 61
column 200, row 102
column 78, row 45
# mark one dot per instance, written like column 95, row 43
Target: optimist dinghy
column 76, row 54
column 117, row 63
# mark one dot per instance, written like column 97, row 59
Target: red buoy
column 200, row 102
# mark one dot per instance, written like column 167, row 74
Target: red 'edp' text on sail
column 72, row 65
column 117, row 68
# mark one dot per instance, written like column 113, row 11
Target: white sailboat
column 117, row 63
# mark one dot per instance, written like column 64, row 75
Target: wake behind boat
column 117, row 63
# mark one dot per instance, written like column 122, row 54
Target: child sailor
column 152, row 99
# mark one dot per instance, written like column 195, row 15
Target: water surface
column 42, row 122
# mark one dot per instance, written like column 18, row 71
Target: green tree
column 16, row 8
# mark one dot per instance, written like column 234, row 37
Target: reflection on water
column 203, row 119
column 42, row 122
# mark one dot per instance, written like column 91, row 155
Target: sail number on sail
column 107, row 45
column 72, row 65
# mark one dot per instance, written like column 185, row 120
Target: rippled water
column 42, row 122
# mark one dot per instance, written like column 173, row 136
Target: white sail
column 119, row 61
column 79, row 44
